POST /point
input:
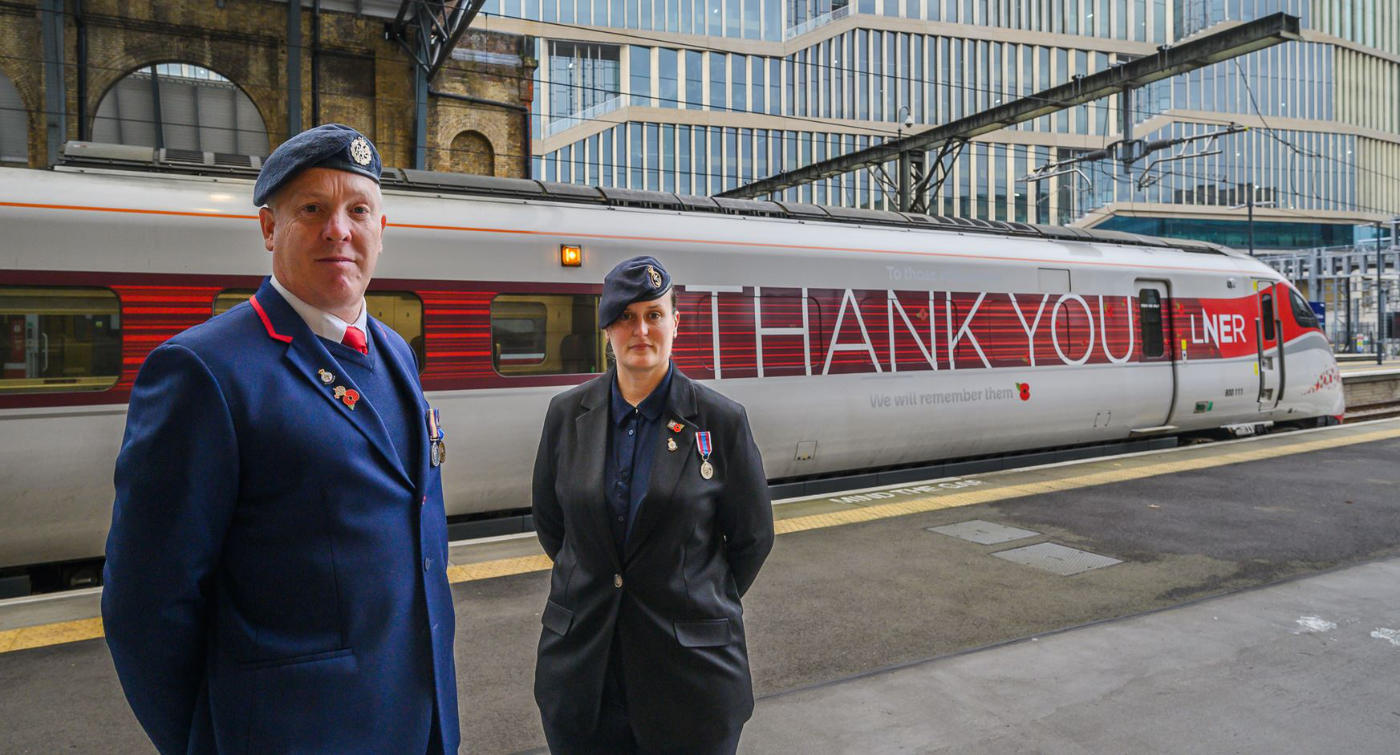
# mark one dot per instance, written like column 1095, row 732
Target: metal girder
column 429, row 29
column 1168, row 61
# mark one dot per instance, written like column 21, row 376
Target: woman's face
column 642, row 335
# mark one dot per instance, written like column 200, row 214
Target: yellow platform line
column 975, row 496
column 87, row 629
column 44, row 635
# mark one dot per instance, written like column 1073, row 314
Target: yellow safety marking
column 43, row 635
column 502, row 567
column 973, row 496
column 86, row 629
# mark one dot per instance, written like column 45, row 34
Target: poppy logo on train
column 1025, row 389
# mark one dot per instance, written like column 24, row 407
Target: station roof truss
column 429, row 29
column 90, row 155
column 1168, row 61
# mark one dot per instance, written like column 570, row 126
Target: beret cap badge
column 632, row 280
column 359, row 151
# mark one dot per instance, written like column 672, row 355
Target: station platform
column 919, row 616
column 1306, row 666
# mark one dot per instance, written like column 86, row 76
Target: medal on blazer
column 702, row 445
column 437, row 447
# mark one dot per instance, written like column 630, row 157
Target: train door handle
column 44, row 349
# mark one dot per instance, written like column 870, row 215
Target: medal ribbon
column 702, row 444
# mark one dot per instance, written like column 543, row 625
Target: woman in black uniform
column 650, row 497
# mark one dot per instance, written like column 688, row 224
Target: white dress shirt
column 323, row 324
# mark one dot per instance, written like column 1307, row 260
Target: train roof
column 189, row 162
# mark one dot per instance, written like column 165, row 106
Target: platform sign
column 1320, row 309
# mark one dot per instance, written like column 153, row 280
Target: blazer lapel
column 588, row 455
column 404, row 373
column 308, row 358
column 666, row 466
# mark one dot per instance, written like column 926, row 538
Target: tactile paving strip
column 983, row 532
column 1057, row 559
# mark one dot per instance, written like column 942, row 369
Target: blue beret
column 329, row 146
column 634, row 280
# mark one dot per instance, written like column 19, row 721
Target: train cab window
column 1266, row 305
column 546, row 334
column 1302, row 311
column 59, row 339
column 400, row 310
column 1150, row 317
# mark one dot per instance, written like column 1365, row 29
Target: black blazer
column 673, row 593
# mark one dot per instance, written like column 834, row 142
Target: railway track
column 1381, row 410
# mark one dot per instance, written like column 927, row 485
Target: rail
column 816, row 22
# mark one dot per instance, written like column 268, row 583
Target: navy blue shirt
column 632, row 437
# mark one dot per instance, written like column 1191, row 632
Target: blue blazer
column 275, row 577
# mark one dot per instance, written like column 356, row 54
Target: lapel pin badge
column 347, row 395
column 675, row 426
column 326, row 377
column 671, row 444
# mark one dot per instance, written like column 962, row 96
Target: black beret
column 330, row 146
column 634, row 280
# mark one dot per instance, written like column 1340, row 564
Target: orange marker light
column 570, row 255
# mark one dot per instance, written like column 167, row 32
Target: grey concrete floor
column 1303, row 667
column 838, row 602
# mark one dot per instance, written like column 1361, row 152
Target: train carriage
column 857, row 339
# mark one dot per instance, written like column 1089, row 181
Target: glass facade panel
column 864, row 80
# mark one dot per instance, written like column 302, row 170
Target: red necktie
column 355, row 339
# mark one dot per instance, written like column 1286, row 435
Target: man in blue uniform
column 275, row 571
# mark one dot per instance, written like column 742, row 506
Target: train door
column 1157, row 363
column 1268, row 339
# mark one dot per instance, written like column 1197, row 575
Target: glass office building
column 700, row 97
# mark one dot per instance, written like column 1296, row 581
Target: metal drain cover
column 1057, row 559
column 983, row 532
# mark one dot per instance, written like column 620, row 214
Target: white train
column 857, row 339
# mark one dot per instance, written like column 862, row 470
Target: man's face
column 642, row 335
column 325, row 229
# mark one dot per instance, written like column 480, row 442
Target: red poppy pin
column 351, row 396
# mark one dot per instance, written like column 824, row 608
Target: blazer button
column 617, row 581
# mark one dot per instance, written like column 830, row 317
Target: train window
column 400, row 310
column 546, row 334
column 1302, row 311
column 59, row 339
column 1150, row 315
column 1266, row 304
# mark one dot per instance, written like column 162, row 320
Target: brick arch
column 254, row 66
column 472, row 152
column 31, row 98
column 93, row 112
